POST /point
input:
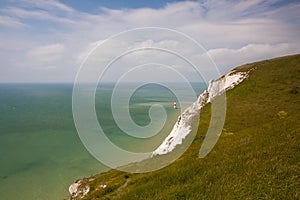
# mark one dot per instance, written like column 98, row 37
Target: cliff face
column 183, row 126
column 256, row 152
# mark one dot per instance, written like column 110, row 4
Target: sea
column 41, row 153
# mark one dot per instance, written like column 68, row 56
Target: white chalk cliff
column 183, row 126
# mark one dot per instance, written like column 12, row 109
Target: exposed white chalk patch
column 183, row 126
column 76, row 191
column 227, row 82
column 73, row 188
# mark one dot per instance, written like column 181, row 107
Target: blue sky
column 46, row 41
column 92, row 6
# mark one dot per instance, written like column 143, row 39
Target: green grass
column 256, row 157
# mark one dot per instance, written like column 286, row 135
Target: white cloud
column 82, row 55
column 244, row 5
column 233, row 32
column 227, row 58
column 10, row 22
column 40, row 15
column 46, row 56
column 171, row 15
column 49, row 4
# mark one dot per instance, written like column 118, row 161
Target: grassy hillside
column 256, row 157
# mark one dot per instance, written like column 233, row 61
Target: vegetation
column 256, row 157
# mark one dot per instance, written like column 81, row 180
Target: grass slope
column 256, row 157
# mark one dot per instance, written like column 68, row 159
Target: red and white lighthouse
column 175, row 105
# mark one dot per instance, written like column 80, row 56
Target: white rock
column 75, row 191
column 73, row 188
column 183, row 125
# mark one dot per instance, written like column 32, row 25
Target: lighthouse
column 175, row 105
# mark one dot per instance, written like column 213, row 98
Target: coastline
column 183, row 125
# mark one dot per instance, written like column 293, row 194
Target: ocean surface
column 40, row 151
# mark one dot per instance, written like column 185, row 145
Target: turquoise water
column 40, row 151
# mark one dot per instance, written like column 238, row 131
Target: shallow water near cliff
column 40, row 151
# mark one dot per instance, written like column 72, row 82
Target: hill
column 257, row 154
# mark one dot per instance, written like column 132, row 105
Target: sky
column 48, row 41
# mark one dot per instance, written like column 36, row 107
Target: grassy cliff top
column 256, row 157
